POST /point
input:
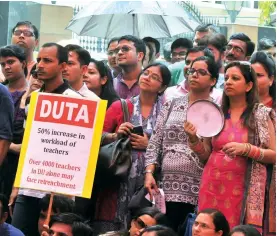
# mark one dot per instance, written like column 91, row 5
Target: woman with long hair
column 234, row 179
column 99, row 80
column 265, row 69
column 112, row 202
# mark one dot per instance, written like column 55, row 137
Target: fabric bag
column 114, row 159
column 189, row 223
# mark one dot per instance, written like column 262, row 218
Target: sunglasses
column 26, row 33
column 201, row 72
column 124, row 49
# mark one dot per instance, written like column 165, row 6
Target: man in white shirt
column 77, row 66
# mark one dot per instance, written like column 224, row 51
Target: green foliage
column 266, row 7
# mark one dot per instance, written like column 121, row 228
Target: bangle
column 148, row 171
column 261, row 157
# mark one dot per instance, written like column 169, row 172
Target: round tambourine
column 207, row 117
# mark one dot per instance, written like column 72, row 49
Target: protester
column 115, row 69
column 244, row 230
column 268, row 46
column 182, row 88
column 155, row 45
column 223, row 184
column 13, row 64
column 265, row 69
column 217, row 45
column 144, row 110
column 25, row 35
column 130, row 54
column 77, row 66
column 168, row 149
column 6, row 122
column 148, row 55
column 61, row 204
column 157, row 230
column 99, row 80
column 202, row 31
column 179, row 49
column 68, row 224
column 210, row 222
column 51, row 62
column 239, row 48
column 6, row 229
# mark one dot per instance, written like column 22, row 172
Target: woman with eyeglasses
column 168, row 150
column 143, row 109
column 234, row 179
column 244, row 230
column 265, row 69
column 210, row 222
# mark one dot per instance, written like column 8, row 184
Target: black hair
column 265, row 44
column 165, row 72
column 250, row 46
column 4, row 200
column 138, row 43
column 219, row 220
column 75, row 221
column 15, row 51
column 151, row 51
column 29, row 24
column 62, row 53
column 159, row 230
column 203, row 41
column 247, row 230
column 61, row 204
column 181, row 42
column 155, row 213
column 195, row 49
column 152, row 40
column 252, row 96
column 212, row 67
column 83, row 55
column 115, row 39
column 218, row 41
column 269, row 65
column 108, row 92
column 206, row 28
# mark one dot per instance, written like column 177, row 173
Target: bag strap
column 125, row 110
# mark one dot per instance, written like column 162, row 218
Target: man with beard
column 239, row 48
column 217, row 44
column 130, row 54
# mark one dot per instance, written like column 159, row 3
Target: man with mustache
column 239, row 48
column 51, row 62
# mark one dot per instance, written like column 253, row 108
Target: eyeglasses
column 139, row 223
column 111, row 53
column 201, row 72
column 202, row 226
column 26, row 33
column 123, row 49
column 152, row 76
column 236, row 49
column 180, row 54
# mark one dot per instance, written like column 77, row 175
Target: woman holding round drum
column 168, row 148
column 264, row 66
column 235, row 177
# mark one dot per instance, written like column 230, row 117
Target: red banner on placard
column 66, row 110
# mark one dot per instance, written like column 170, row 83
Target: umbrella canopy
column 108, row 19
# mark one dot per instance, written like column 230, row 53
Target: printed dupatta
column 260, row 204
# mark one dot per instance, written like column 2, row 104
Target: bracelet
column 148, row 171
column 261, row 157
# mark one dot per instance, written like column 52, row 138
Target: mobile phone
column 137, row 130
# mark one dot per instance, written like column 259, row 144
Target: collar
column 60, row 89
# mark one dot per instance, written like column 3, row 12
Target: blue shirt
column 9, row 230
column 6, row 114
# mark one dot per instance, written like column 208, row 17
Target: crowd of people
column 228, row 181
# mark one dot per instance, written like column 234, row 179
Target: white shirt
column 87, row 93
